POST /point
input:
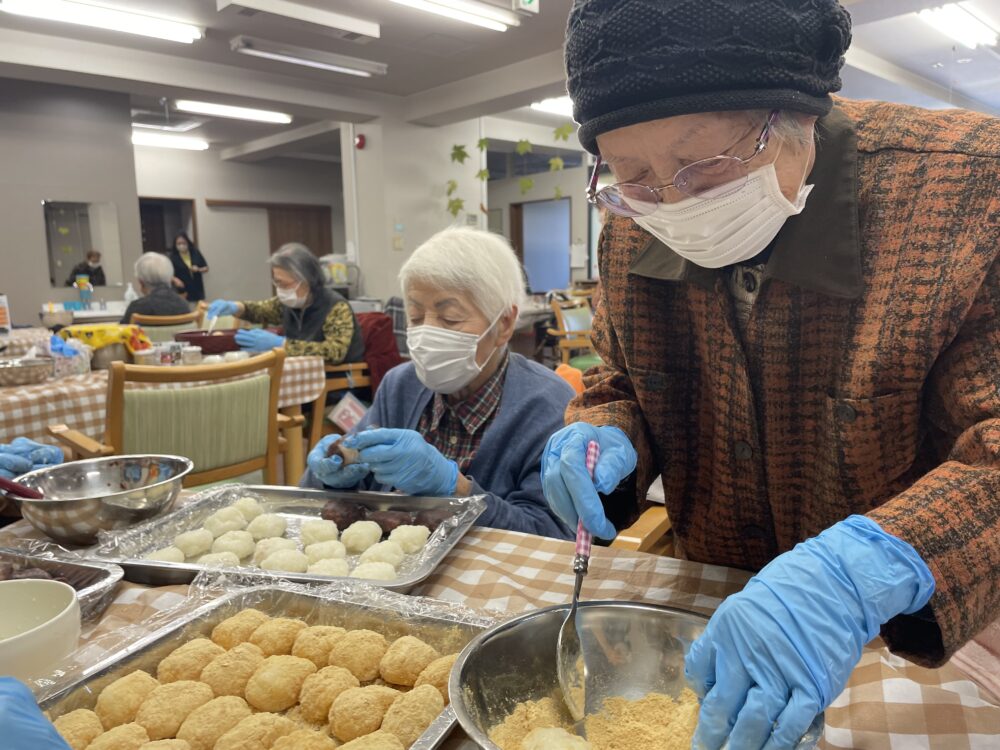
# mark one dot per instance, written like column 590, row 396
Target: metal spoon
column 570, row 664
column 13, row 489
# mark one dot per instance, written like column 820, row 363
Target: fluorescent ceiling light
column 962, row 24
column 235, row 113
column 311, row 58
column 159, row 140
column 104, row 17
column 479, row 14
column 307, row 14
column 560, row 105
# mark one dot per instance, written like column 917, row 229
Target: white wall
column 235, row 240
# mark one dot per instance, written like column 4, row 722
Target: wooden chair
column 574, row 319
column 338, row 378
column 225, row 417
column 161, row 328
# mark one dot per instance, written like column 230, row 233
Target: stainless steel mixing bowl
column 83, row 498
column 638, row 649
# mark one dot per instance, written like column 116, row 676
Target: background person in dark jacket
column 154, row 273
column 90, row 266
column 189, row 268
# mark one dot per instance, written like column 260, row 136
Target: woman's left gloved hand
column 22, row 455
column 22, row 724
column 404, row 460
column 258, row 340
column 778, row 652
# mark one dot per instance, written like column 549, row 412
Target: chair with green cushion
column 574, row 320
column 584, row 362
column 162, row 328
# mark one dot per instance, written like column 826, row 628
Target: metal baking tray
column 129, row 546
column 446, row 627
column 94, row 581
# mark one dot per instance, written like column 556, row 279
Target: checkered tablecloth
column 22, row 339
column 79, row 400
column 889, row 704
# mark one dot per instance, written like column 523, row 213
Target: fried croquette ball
column 194, row 543
column 277, row 636
column 375, row 741
column 406, row 658
column 304, row 739
column 119, row 701
column 388, row 552
column 266, row 547
column 375, row 571
column 203, row 726
column 163, row 712
column 361, row 535
column 170, row 554
column 123, row 737
column 240, row 543
column 330, row 567
column 276, row 684
column 437, row 673
column 186, row 662
column 267, row 525
column 220, row 560
column 79, row 728
column 166, row 745
column 238, row 628
column 228, row 673
column 318, row 531
column 410, row 714
column 249, row 507
column 257, row 732
column 359, row 651
column 328, row 550
column 411, row 538
column 223, row 520
column 359, row 711
column 320, row 690
column 315, row 643
column 286, row 560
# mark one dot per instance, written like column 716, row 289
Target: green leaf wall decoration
column 523, row 147
column 459, row 154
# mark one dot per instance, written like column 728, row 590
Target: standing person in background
column 90, row 267
column 189, row 268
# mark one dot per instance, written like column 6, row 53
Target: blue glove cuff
column 452, row 483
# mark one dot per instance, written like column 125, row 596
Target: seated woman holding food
column 465, row 416
column 317, row 321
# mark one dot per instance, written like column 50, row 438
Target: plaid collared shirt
column 456, row 430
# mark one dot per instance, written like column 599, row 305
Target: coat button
column 743, row 450
column 846, row 412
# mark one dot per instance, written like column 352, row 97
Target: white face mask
column 719, row 232
column 445, row 360
column 290, row 298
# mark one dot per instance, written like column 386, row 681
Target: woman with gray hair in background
column 317, row 321
column 465, row 416
column 154, row 272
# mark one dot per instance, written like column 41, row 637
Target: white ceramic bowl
column 39, row 626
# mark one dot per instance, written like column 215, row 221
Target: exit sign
column 527, row 6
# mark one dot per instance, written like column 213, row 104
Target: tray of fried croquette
column 275, row 667
column 303, row 535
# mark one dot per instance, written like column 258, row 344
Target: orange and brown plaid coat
column 867, row 381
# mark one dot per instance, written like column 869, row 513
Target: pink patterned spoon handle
column 584, row 538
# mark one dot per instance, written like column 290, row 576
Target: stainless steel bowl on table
column 24, row 370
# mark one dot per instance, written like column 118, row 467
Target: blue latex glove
column 60, row 348
column 330, row 470
column 258, row 340
column 22, row 455
column 22, row 723
column 777, row 653
column 222, row 307
column 12, row 465
column 569, row 490
column 404, row 460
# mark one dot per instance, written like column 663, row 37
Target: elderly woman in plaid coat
column 801, row 335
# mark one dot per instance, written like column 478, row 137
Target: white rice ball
column 330, row 566
column 267, row 525
column 318, row 531
column 361, row 535
column 387, row 552
column 194, row 543
column 411, row 538
column 167, row 554
column 325, row 551
column 240, row 543
column 220, row 559
column 375, row 571
column 267, row 547
column 286, row 560
column 225, row 519
column 249, row 507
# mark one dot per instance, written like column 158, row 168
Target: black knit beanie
column 631, row 61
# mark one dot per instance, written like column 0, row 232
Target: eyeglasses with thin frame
column 706, row 179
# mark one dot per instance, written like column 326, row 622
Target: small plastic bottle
column 131, row 295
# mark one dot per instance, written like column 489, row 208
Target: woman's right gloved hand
column 330, row 470
column 222, row 307
column 22, row 724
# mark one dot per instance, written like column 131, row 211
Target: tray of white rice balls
column 280, row 667
column 302, row 535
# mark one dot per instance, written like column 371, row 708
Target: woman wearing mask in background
column 189, row 268
column 317, row 321
column 91, row 268
column 466, row 416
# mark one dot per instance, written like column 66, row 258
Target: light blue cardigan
column 507, row 466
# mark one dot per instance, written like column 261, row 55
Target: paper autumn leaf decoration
column 563, row 132
column 559, row 192
column 556, row 164
column 452, row 187
column 459, row 154
column 483, row 144
column 455, row 206
column 483, row 174
column 525, row 183
column 523, row 147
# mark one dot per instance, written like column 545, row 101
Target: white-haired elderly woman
column 316, row 320
column 154, row 272
column 465, row 416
